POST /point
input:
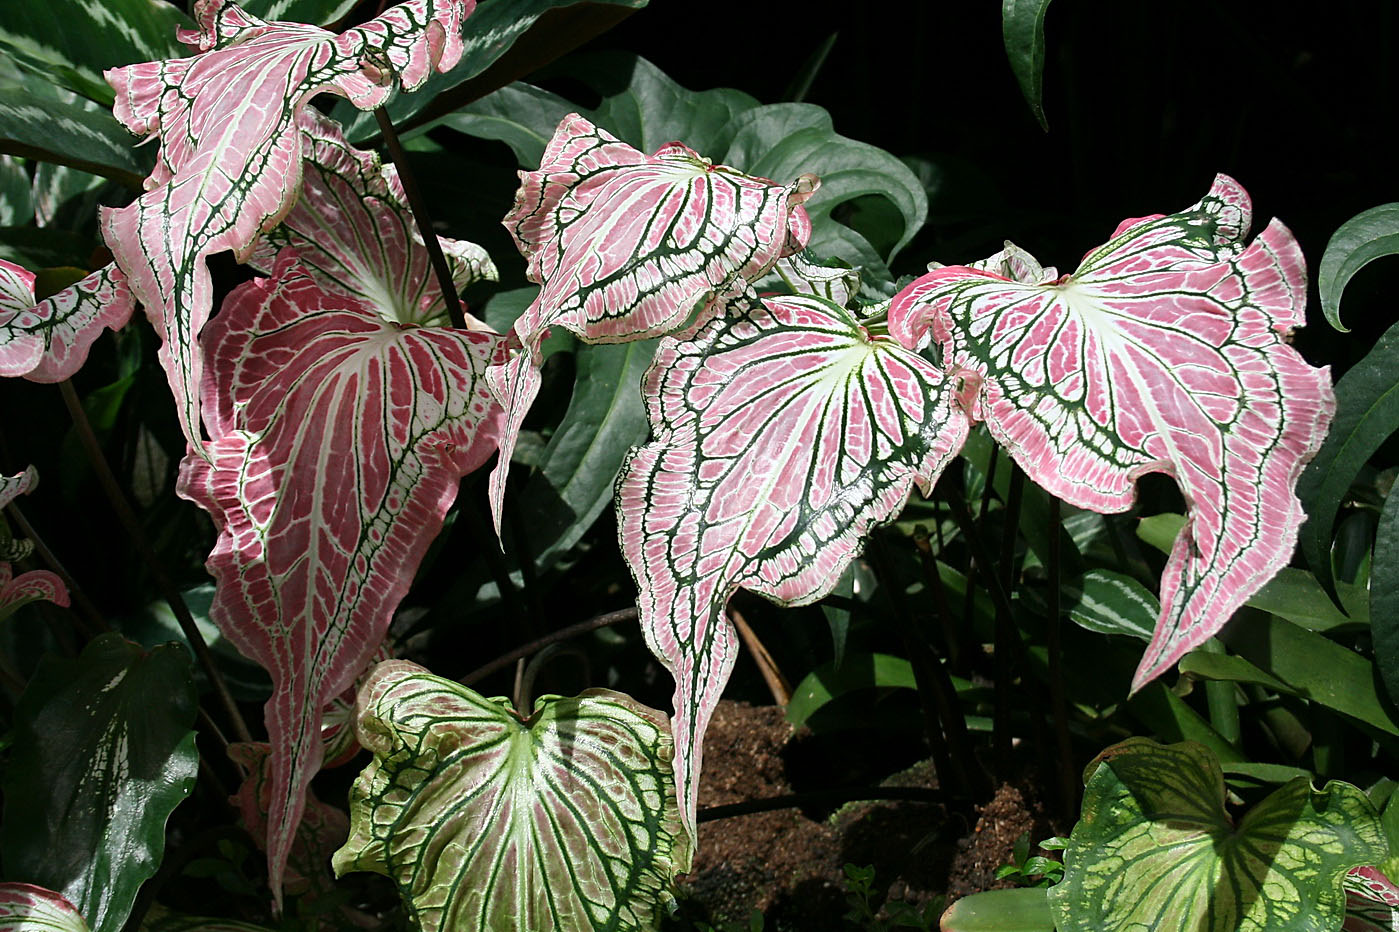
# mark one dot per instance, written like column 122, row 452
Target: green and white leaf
column 563, row 820
column 1156, row 850
column 1113, row 603
column 102, row 754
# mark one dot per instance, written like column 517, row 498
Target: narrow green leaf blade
column 1359, row 241
column 1022, row 910
column 1384, row 596
column 1154, row 813
column 1022, row 29
column 564, row 820
column 98, row 765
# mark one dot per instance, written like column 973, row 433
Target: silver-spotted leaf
column 1155, row 849
column 562, row 821
column 49, row 340
column 627, row 246
column 1166, row 351
column 97, row 766
column 231, row 148
column 27, row 908
column 783, row 433
column 338, row 439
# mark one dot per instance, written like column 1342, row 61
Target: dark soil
column 789, row 863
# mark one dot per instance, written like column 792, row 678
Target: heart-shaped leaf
column 338, row 439
column 783, row 434
column 1166, row 351
column 97, row 767
column 562, row 821
column 1155, row 849
column 49, row 341
column 628, row 246
column 231, row 148
column 27, row 908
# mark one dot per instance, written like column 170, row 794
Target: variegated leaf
column 628, row 246
column 783, row 434
column 103, row 752
column 1155, row 849
column 231, row 150
column 323, row 827
column 12, row 487
column 353, row 231
column 27, row 908
column 1372, row 901
column 35, row 585
column 338, row 438
column 49, row 341
column 1167, row 351
column 562, row 821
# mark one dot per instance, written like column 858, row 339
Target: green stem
column 1068, row 778
column 167, row 587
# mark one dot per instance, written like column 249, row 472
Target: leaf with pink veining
column 231, row 149
column 1166, row 351
column 338, row 439
column 35, row 585
column 628, row 246
column 27, row 908
column 48, row 341
column 1372, row 901
column 784, row 433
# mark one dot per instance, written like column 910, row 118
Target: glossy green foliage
column 1155, row 849
column 1022, row 30
column 103, row 753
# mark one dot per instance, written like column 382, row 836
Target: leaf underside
column 783, row 434
column 565, row 821
column 1166, row 351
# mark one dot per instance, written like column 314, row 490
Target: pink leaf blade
column 1165, row 352
column 231, row 151
column 339, row 439
column 48, row 341
column 784, row 434
column 1372, row 901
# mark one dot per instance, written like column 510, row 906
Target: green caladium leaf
column 1155, row 849
column 27, row 908
column 565, row 819
column 97, row 766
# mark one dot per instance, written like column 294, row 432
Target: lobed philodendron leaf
column 783, row 434
column 338, row 439
column 1166, row 351
column 230, row 161
column 628, row 246
column 27, row 908
column 1155, row 849
column 1372, row 901
column 562, row 821
column 48, row 341
column 103, row 752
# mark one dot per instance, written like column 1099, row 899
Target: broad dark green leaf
column 103, row 753
column 16, row 201
column 74, row 41
column 858, row 671
column 1155, row 849
column 1367, row 412
column 1384, row 596
column 605, row 419
column 562, row 821
column 1169, row 717
column 39, row 248
column 520, row 115
column 1312, row 666
column 42, row 122
column 1022, row 910
column 1359, row 241
column 489, row 33
column 1022, row 30
column 319, row 12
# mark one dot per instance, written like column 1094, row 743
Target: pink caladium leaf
column 322, row 830
column 354, row 232
column 338, row 439
column 1166, row 351
column 35, row 585
column 231, row 149
column 783, row 434
column 627, row 246
column 1372, row 901
column 26, row 908
column 48, row 341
